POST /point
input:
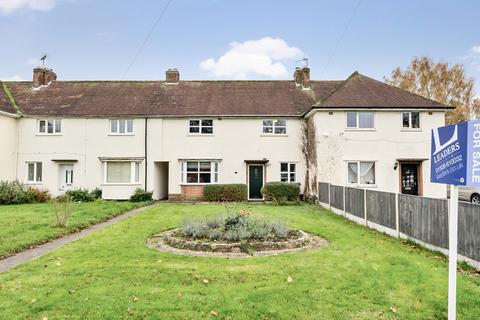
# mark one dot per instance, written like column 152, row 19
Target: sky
column 234, row 39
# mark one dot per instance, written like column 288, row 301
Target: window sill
column 33, row 183
column 197, row 184
column 48, row 134
column 360, row 129
column 411, row 130
column 200, row 135
column 121, row 134
column 273, row 135
column 366, row 186
column 121, row 184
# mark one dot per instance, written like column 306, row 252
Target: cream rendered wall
column 385, row 144
column 8, row 147
column 233, row 142
column 84, row 140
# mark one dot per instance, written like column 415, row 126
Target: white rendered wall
column 8, row 147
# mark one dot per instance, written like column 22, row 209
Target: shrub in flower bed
column 281, row 192
column 15, row 192
column 225, row 192
column 237, row 226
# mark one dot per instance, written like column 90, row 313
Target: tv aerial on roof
column 304, row 60
column 43, row 58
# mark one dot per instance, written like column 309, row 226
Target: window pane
column 415, row 120
column 406, row 119
column 207, row 123
column 367, row 172
column 205, row 177
column 281, row 123
column 194, row 122
column 41, row 127
column 292, row 177
column 267, row 129
column 122, row 126
column 130, row 126
column 192, row 177
column 207, row 130
column 365, row 119
column 113, row 126
column 194, row 129
column 137, row 171
column 216, row 166
column 205, row 166
column 39, row 172
column 352, row 172
column 58, row 126
column 267, row 123
column 284, row 167
column 292, row 167
column 192, row 166
column 351, row 119
column 31, row 171
column 50, row 126
column 284, row 177
column 119, row 172
column 216, row 177
column 280, row 130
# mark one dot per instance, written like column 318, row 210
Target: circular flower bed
column 237, row 235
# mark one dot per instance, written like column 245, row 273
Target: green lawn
column 22, row 226
column 111, row 274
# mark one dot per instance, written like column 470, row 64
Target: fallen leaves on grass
column 135, row 298
column 289, row 279
column 214, row 313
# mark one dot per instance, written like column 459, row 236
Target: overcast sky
column 228, row 39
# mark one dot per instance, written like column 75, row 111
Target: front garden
column 112, row 274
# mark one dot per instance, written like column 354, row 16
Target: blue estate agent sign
column 455, row 157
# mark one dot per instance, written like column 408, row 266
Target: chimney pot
column 297, row 76
column 172, row 76
column 306, row 77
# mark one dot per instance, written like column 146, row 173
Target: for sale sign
column 455, row 157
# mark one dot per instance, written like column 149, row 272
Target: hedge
column 281, row 192
column 225, row 192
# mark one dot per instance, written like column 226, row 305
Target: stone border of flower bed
column 168, row 242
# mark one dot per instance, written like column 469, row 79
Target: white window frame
column 357, row 121
column 134, row 173
column 200, row 127
column 359, row 183
column 54, row 123
column 275, row 125
column 117, row 131
column 289, row 172
column 35, row 171
column 410, row 128
column 214, row 169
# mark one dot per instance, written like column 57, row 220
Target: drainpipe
column 146, row 163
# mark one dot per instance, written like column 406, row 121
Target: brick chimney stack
column 43, row 76
column 172, row 76
column 301, row 77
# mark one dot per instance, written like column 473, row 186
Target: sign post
column 455, row 160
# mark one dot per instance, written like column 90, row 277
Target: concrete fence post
column 344, row 201
column 397, row 215
column 365, row 206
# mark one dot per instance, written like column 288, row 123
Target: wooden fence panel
column 336, row 196
column 355, row 201
column 424, row 219
column 381, row 208
column 323, row 192
column 469, row 230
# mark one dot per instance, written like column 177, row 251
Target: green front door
column 255, row 181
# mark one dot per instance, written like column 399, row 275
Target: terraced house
column 175, row 136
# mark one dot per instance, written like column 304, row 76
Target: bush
column 141, row 195
column 80, row 195
column 40, row 195
column 14, row 192
column 281, row 192
column 97, row 193
column 225, row 192
column 63, row 210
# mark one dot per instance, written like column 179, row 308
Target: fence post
column 329, row 198
column 344, row 201
column 365, row 206
column 397, row 215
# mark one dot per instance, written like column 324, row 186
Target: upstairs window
column 199, row 126
column 278, row 126
column 34, row 172
column 199, row 172
column 360, row 120
column 361, row 172
column 411, row 120
column 288, row 172
column 121, row 126
column 49, row 126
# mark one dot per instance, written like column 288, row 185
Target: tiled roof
column 207, row 98
column 359, row 91
column 5, row 103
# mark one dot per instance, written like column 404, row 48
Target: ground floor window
column 288, row 172
column 361, row 172
column 122, row 172
column 202, row 172
column 34, row 172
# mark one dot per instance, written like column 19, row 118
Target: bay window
column 361, row 172
column 199, row 172
column 122, row 172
